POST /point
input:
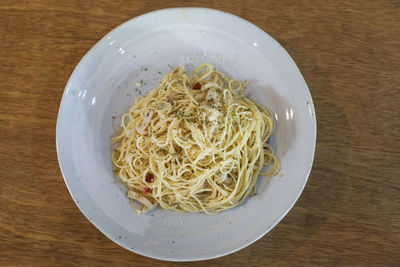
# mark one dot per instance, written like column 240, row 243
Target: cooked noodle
column 193, row 144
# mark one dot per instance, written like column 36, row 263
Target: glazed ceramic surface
column 130, row 61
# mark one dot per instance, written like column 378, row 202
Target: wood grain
column 349, row 54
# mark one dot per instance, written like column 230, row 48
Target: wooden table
column 349, row 54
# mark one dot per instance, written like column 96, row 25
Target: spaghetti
column 194, row 144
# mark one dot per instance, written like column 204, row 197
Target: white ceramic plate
column 141, row 51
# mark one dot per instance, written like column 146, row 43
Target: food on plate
column 194, row 144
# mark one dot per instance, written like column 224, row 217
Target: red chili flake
column 148, row 190
column 197, row 86
column 149, row 177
